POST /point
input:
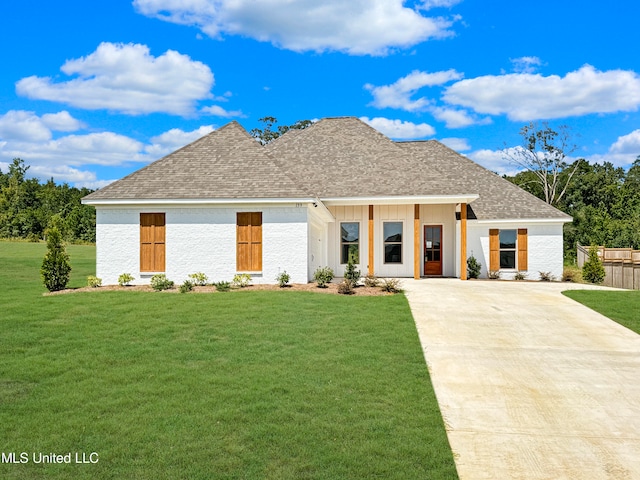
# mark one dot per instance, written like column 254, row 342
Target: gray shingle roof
column 225, row 164
column 345, row 157
column 333, row 158
column 499, row 198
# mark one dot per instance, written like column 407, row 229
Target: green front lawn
column 622, row 307
column 223, row 385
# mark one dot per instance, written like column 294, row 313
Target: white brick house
column 226, row 204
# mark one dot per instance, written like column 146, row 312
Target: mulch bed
column 332, row 288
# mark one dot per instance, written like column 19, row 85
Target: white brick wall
column 544, row 247
column 202, row 240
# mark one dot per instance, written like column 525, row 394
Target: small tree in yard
column 592, row 270
column 55, row 268
column 351, row 274
column 473, row 267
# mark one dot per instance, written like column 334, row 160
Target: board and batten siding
column 318, row 252
column 202, row 239
column 429, row 215
column 348, row 213
column 444, row 215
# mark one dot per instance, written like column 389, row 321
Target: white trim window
column 392, row 234
column 508, row 250
column 349, row 242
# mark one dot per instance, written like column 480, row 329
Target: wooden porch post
column 416, row 241
column 371, row 240
column 463, row 241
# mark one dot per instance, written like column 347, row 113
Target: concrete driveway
column 531, row 384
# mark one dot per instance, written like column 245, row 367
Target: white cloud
column 69, row 157
column 398, row 94
column 525, row 97
column 218, row 111
column 526, row 64
column 457, row 144
column 62, row 122
column 128, row 79
column 357, row 27
column 429, row 4
column 455, row 118
column 398, row 129
column 104, row 148
column 24, row 126
column 63, row 173
column 622, row 153
column 174, row 139
column 629, row 144
column 495, row 161
column 98, row 148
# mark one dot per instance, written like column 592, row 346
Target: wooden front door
column 433, row 249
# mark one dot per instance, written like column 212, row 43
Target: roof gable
column 225, row 164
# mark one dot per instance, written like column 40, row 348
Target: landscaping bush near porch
column 266, row 384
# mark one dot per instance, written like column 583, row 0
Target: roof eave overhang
column 401, row 200
column 512, row 221
column 193, row 201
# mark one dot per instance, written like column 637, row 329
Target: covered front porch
column 394, row 238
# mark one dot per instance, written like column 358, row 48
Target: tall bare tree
column 544, row 152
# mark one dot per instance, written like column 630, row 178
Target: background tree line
column 28, row 207
column 603, row 200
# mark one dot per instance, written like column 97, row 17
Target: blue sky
column 91, row 91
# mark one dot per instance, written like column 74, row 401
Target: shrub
column 391, row 285
column 186, row 286
column 371, row 281
column 125, row 279
column 473, row 267
column 33, row 238
column 160, row 282
column 322, row 276
column 93, row 281
column 520, row 276
column 55, row 268
column 351, row 274
column 223, row 286
column 345, row 287
column 546, row 277
column 198, row 278
column 493, row 274
column 283, row 279
column 571, row 274
column 592, row 270
column 241, row 280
